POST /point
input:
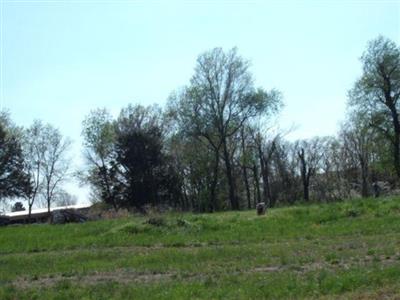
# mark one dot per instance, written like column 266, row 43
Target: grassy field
column 342, row 250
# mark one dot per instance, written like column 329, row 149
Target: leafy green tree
column 376, row 94
column 200, row 176
column 200, row 151
column 145, row 172
column 99, row 138
column 220, row 99
column 14, row 180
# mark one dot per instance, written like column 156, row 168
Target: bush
column 157, row 221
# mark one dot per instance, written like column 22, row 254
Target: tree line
column 214, row 145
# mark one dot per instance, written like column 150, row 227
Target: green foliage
column 156, row 221
column 14, row 179
column 127, row 164
column 375, row 97
column 219, row 101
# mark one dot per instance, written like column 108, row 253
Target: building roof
column 25, row 213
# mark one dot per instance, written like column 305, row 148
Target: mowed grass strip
column 302, row 251
column 257, row 285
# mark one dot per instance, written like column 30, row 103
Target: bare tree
column 265, row 149
column 357, row 137
column 245, row 162
column 309, row 155
column 55, row 163
column 34, row 149
column 63, row 198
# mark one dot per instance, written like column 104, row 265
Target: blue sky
column 60, row 59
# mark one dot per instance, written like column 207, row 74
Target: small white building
column 39, row 215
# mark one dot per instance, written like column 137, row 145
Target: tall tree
column 309, row 155
column 357, row 137
column 14, row 180
column 146, row 175
column 245, row 163
column 99, row 139
column 196, row 127
column 285, row 168
column 221, row 98
column 376, row 94
column 265, row 151
column 34, row 149
column 55, row 162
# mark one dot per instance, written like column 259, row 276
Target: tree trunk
column 305, row 176
column 265, row 178
column 246, row 183
column 267, row 190
column 391, row 104
column 396, row 142
column 305, row 193
column 244, row 171
column 185, row 199
column 29, row 211
column 104, row 173
column 257, row 197
column 306, row 184
column 48, row 204
column 232, row 195
column 396, row 150
column 364, row 178
column 213, row 192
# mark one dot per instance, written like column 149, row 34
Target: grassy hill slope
column 349, row 249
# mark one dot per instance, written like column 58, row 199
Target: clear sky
column 60, row 59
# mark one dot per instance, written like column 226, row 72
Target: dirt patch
column 383, row 260
column 120, row 276
column 266, row 269
column 384, row 293
column 125, row 276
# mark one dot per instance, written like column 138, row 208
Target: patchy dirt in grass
column 120, row 276
column 382, row 260
column 382, row 293
column 125, row 276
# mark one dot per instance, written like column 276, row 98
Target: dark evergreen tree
column 144, row 169
column 18, row 206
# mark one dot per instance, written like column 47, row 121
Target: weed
column 157, row 221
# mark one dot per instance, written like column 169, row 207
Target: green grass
column 349, row 249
